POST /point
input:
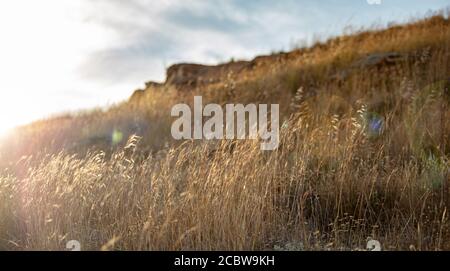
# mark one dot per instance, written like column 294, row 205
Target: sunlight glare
column 43, row 43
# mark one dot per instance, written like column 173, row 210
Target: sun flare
column 43, row 43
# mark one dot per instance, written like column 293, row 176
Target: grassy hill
column 364, row 153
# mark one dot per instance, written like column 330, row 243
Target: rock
column 195, row 74
column 274, row 58
column 151, row 84
column 190, row 74
column 378, row 60
column 185, row 73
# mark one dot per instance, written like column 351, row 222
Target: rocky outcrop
column 186, row 74
column 195, row 74
column 379, row 60
column 151, row 84
column 372, row 61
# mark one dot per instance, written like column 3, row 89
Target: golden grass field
column 364, row 154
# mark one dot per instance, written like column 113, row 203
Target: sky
column 62, row 55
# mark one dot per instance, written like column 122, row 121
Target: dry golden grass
column 335, row 181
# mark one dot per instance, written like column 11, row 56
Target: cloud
column 59, row 55
column 154, row 34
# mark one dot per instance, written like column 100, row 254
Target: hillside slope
column 364, row 153
column 333, row 68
